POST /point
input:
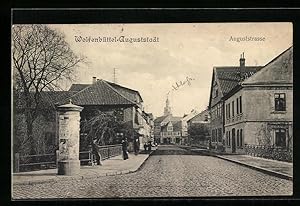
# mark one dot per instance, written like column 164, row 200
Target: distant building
column 184, row 121
column 224, row 79
column 200, row 120
column 259, row 111
column 168, row 128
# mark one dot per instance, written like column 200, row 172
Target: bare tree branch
column 41, row 57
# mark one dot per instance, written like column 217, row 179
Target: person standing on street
column 124, row 148
column 136, row 146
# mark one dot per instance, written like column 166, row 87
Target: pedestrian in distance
column 149, row 146
column 124, row 148
column 136, row 146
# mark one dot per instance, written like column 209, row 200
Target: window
column 228, row 138
column 241, row 137
column 280, row 102
column 280, row 138
column 119, row 115
column 226, row 134
column 170, row 128
column 213, row 135
column 216, row 95
column 238, row 138
column 226, row 111
column 237, row 106
column 241, row 111
column 232, row 108
column 219, row 135
column 206, row 118
column 229, row 110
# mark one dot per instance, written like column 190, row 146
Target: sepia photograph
column 152, row 110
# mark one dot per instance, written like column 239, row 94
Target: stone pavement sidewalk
column 272, row 167
column 113, row 166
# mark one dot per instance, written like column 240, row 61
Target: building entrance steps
column 113, row 166
column 272, row 167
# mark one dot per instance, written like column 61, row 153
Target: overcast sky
column 183, row 50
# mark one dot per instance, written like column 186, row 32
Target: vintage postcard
column 160, row 110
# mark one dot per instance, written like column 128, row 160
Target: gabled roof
column 177, row 126
column 277, row 71
column 187, row 117
column 160, row 119
column 170, row 118
column 127, row 92
column 229, row 77
column 78, row 87
column 200, row 116
column 99, row 93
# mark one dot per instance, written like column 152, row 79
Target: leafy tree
column 102, row 128
column 41, row 60
column 198, row 132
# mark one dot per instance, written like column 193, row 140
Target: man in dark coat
column 124, row 148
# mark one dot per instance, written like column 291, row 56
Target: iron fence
column 109, row 151
column 44, row 161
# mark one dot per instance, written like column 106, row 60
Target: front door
column 233, row 140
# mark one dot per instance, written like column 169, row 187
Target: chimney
column 242, row 66
column 242, row 61
column 94, row 79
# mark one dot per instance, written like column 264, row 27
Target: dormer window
column 216, row 94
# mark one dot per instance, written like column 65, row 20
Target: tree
column 101, row 128
column 198, row 132
column 41, row 59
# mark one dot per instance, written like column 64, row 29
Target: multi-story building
column 224, row 79
column 259, row 111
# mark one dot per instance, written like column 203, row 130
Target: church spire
column 167, row 109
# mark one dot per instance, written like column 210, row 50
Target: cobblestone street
column 168, row 172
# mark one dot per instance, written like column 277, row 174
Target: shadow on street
column 174, row 150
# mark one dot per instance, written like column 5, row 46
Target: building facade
column 168, row 128
column 224, row 79
column 125, row 104
column 259, row 112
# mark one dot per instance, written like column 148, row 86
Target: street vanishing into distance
column 170, row 171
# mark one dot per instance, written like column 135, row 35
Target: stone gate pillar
column 69, row 126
